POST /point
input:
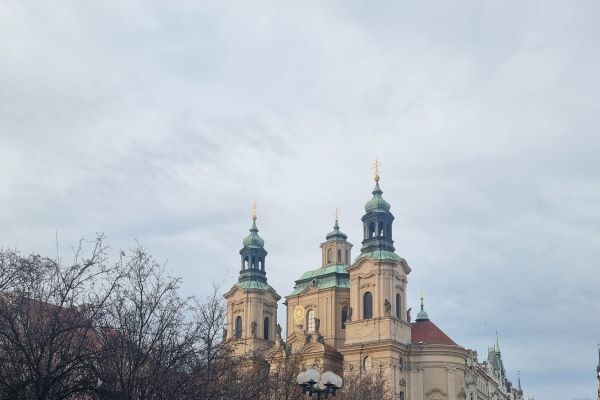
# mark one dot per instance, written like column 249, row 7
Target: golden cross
column 254, row 211
column 376, row 167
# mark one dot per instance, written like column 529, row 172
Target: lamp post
column 323, row 385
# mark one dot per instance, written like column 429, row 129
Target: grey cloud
column 163, row 123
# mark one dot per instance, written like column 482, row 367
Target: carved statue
column 253, row 329
column 349, row 314
column 278, row 331
column 388, row 307
column 224, row 334
column 317, row 324
column 408, row 314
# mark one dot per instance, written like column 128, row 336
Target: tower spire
column 422, row 315
column 253, row 255
column 376, row 168
column 377, row 223
column 497, row 348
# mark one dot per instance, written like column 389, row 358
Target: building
column 598, row 372
column 353, row 314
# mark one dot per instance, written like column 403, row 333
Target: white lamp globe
column 301, row 378
column 328, row 378
column 312, row 375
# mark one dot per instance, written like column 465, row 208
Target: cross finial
column 254, row 211
column 376, row 167
column 337, row 213
column 421, row 299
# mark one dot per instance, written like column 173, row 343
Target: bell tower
column 252, row 302
column 336, row 249
column 377, row 288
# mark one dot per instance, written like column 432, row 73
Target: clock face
column 298, row 313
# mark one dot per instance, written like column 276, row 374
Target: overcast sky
column 163, row 121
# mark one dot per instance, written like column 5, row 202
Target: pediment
column 314, row 347
column 274, row 352
column 436, row 394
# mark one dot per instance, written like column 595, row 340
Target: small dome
column 377, row 203
column 422, row 315
column 336, row 233
column 253, row 240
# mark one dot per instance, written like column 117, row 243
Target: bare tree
column 281, row 383
column 147, row 335
column 47, row 339
column 359, row 384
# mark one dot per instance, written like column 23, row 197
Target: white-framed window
column 367, row 363
column 310, row 321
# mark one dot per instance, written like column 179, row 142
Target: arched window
column 344, row 316
column 367, row 363
column 266, row 329
column 380, row 225
column 245, row 262
column 310, row 321
column 398, row 306
column 371, row 230
column 329, row 253
column 389, row 230
column 339, row 256
column 367, row 305
column 238, row 327
column 347, row 257
column 261, row 263
column 253, row 264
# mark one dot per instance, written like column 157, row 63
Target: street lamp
column 323, row 385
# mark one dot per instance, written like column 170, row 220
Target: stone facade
column 354, row 314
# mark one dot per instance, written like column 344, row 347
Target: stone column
column 451, row 372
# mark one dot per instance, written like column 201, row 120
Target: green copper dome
column 336, row 233
column 377, row 203
column 422, row 316
column 253, row 240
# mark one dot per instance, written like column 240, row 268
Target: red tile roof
column 426, row 332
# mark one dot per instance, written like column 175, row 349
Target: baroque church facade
column 353, row 314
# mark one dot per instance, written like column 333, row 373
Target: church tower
column 378, row 333
column 251, row 302
column 378, row 279
column 318, row 307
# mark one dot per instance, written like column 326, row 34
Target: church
column 352, row 313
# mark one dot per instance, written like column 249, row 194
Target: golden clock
column 298, row 313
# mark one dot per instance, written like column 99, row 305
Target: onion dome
column 377, row 203
column 253, row 240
